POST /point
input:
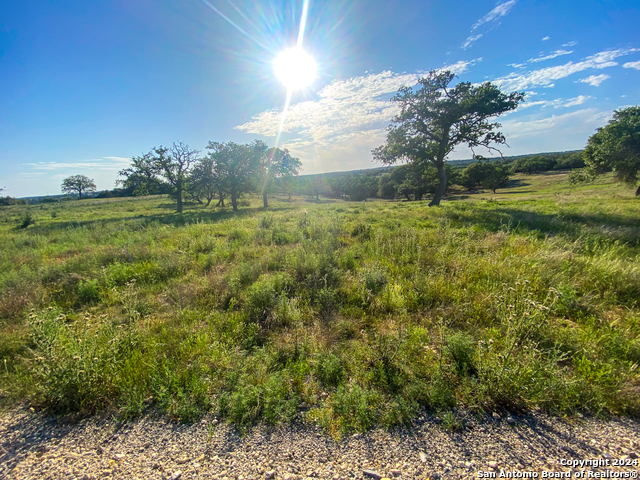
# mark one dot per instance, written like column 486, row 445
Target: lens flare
column 295, row 68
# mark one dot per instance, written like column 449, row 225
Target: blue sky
column 84, row 86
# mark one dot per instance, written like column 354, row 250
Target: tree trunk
column 179, row 195
column 264, row 200
column 208, row 201
column 638, row 191
column 234, row 201
column 79, row 194
column 442, row 185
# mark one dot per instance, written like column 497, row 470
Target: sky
column 85, row 86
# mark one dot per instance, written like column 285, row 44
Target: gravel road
column 34, row 445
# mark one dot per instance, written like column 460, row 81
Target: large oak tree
column 435, row 117
column 78, row 184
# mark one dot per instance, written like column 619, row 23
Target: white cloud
column 499, row 11
column 544, row 39
column 470, row 40
column 517, row 65
column 570, row 44
column 579, row 100
column 344, row 124
column 492, row 17
column 545, row 77
column 595, row 80
column 635, row 65
column 568, row 123
column 344, row 106
column 106, row 163
column 555, row 54
column 557, row 103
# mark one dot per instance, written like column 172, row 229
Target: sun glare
column 295, row 68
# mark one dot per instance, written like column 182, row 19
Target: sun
column 295, row 68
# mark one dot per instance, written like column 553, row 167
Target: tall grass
column 364, row 313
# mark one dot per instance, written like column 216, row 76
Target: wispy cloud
column 557, row 103
column 555, row 54
column 106, row 163
column 544, row 39
column 492, row 18
column 499, row 11
column 545, row 77
column 595, row 80
column 470, row 40
column 579, row 121
column 635, row 65
column 570, row 44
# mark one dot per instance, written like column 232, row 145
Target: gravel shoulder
column 33, row 445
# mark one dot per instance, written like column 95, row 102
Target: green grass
column 365, row 312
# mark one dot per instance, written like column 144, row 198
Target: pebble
column 153, row 446
column 372, row 474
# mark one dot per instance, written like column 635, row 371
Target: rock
column 270, row 474
column 633, row 455
column 182, row 460
column 175, row 475
column 396, row 473
column 493, row 465
column 511, row 420
column 423, row 457
column 119, row 457
column 100, row 450
column 372, row 474
column 495, row 415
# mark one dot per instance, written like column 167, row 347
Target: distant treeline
column 411, row 182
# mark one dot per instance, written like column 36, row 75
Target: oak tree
column 78, row 184
column 435, row 117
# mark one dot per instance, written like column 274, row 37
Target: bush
column 27, row 219
column 374, row 278
column 460, row 348
column 88, row 291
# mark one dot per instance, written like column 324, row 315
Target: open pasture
column 353, row 314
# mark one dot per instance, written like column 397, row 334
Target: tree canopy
column 78, row 184
column 278, row 166
column 434, row 118
column 237, row 166
column 616, row 147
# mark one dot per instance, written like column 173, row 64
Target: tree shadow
column 187, row 217
column 607, row 227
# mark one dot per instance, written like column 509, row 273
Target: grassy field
column 356, row 314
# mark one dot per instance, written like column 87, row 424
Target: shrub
column 88, row 291
column 330, row 370
column 263, row 296
column 374, row 278
column 460, row 348
column 27, row 219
